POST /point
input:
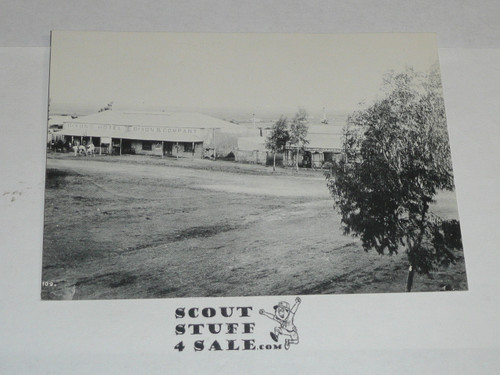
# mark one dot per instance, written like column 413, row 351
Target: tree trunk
column 297, row 160
column 416, row 246
column 274, row 161
column 409, row 280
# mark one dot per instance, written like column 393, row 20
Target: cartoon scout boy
column 284, row 315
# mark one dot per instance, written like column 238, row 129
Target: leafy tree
column 108, row 107
column 298, row 132
column 277, row 139
column 397, row 157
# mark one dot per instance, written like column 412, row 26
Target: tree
column 396, row 158
column 277, row 139
column 108, row 107
column 298, row 132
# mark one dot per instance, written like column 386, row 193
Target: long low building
column 194, row 135
column 324, row 146
column 154, row 133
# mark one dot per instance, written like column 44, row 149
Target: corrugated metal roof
column 324, row 129
column 166, row 119
column 324, row 141
column 324, row 137
column 252, row 143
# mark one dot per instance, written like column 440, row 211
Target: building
column 176, row 134
column 194, row 135
column 55, row 124
column 251, row 150
column 325, row 145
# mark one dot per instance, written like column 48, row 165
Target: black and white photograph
column 235, row 187
column 224, row 165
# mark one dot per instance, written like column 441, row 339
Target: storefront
column 324, row 146
column 162, row 134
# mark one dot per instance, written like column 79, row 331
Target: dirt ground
column 145, row 227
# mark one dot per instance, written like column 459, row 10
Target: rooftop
column 324, row 141
column 164, row 119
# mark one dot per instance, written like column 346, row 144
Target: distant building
column 325, row 145
column 194, row 135
column 55, row 124
column 251, row 150
column 154, row 133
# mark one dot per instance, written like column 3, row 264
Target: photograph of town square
column 215, row 165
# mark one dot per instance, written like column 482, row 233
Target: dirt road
column 127, row 230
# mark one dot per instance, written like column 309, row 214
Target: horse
column 90, row 150
column 59, row 146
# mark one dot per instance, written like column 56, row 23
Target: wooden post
column 215, row 150
column 177, row 150
column 162, row 149
column 100, row 146
column 297, row 159
column 120, row 146
column 192, row 155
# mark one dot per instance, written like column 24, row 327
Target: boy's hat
column 283, row 304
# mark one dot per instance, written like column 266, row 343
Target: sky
column 247, row 72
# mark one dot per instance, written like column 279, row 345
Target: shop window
column 147, row 146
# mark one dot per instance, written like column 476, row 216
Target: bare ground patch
column 151, row 231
